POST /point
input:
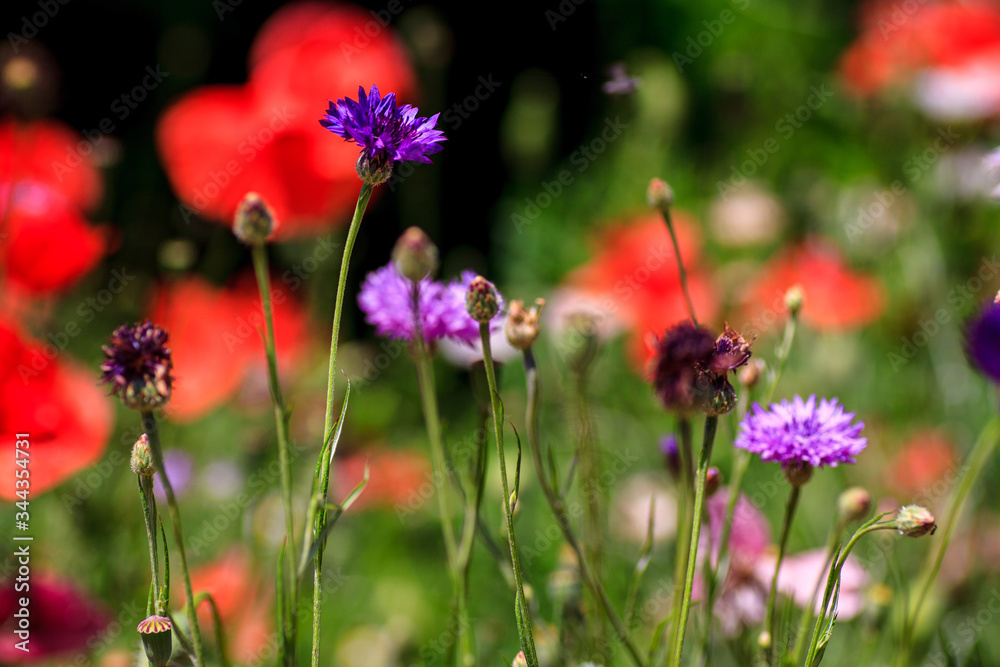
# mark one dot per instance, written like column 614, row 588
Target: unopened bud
column 155, row 633
column 671, row 455
column 794, row 298
column 520, row 660
column 713, row 479
column 522, row 324
column 854, row 504
column 750, row 374
column 659, row 194
column 142, row 458
column 254, row 221
column 798, row 473
column 415, row 255
column 915, row 521
column 481, row 300
column 373, row 172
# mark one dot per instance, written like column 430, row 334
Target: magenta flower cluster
column 386, row 297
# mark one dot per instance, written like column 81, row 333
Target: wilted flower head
column 138, row 366
column 801, row 433
column 982, row 341
column 386, row 297
column 385, row 132
column 522, row 323
column 679, row 353
column 691, row 368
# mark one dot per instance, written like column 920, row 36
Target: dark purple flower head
column 385, row 132
column 802, row 433
column 680, row 354
column 982, row 342
column 386, row 298
column 137, row 365
column 732, row 350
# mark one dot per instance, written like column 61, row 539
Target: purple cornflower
column 385, row 132
column 386, row 297
column 982, row 341
column 138, row 366
column 802, row 433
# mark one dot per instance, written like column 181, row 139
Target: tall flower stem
column 153, row 433
column 558, row 507
column 684, row 500
column 800, row 636
column 981, row 453
column 716, row 573
column 793, row 502
column 290, row 613
column 667, row 218
column 590, row 472
column 149, row 519
column 711, row 425
column 428, row 397
column 833, row 579
column 521, row 605
column 324, row 477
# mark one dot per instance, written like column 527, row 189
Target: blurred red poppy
column 948, row 45
column 244, row 602
column 214, row 339
column 48, row 245
column 395, row 477
column 926, row 458
column 58, row 404
column 835, row 297
column 219, row 142
column 633, row 278
column 63, row 620
column 51, row 154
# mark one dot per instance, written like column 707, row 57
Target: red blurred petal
column 835, row 298
column 635, row 270
column 243, row 600
column 49, row 246
column 214, row 339
column 395, row 476
column 48, row 152
column 219, row 142
column 925, row 459
column 67, row 415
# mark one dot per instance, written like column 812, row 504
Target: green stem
column 428, row 397
column 981, row 453
column 685, row 452
column 834, row 577
column 149, row 519
column 558, row 507
column 220, row 637
column 807, row 613
column 711, row 424
column 667, row 218
column 324, row 479
column 593, row 537
column 793, row 502
column 782, row 353
column 289, row 614
column 521, row 606
column 149, row 425
column 717, row 573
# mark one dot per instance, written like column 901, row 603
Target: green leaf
column 331, row 521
